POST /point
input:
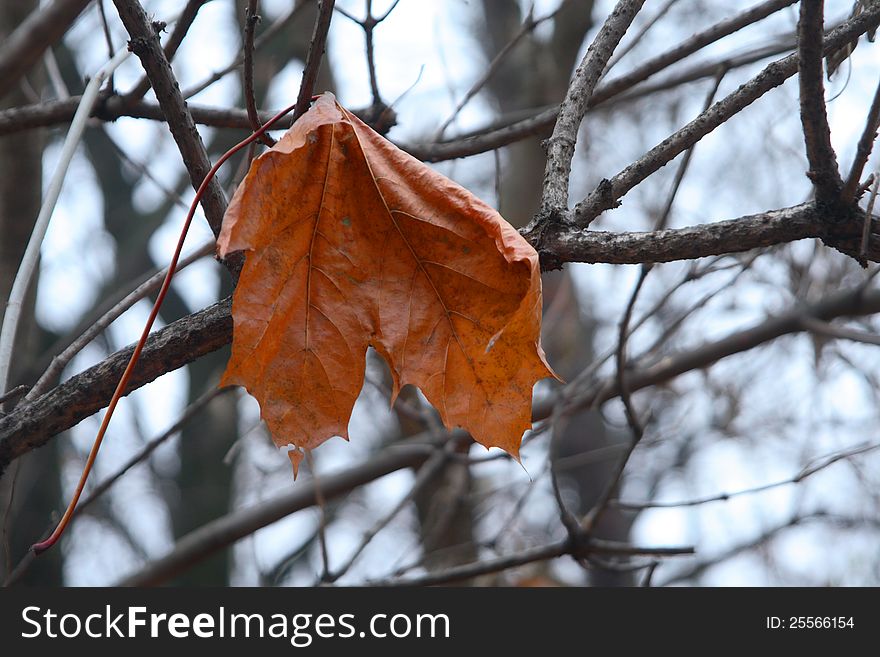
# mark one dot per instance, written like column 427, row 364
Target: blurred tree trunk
column 36, row 491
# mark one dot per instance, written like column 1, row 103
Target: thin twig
column 313, row 59
column 270, row 32
column 591, row 519
column 43, row 27
column 663, row 220
column 60, row 361
column 54, row 73
column 321, row 503
column 528, row 26
column 188, row 413
column 252, row 17
column 867, row 224
column 222, row 532
column 107, row 38
column 531, row 555
column 426, row 474
column 863, row 150
column 181, row 28
column 806, row 472
column 621, row 52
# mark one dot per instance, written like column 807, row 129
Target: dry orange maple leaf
column 353, row 243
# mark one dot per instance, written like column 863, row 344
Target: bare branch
column 863, row 151
column 188, row 413
column 32, row 425
column 251, row 19
column 561, row 145
column 806, row 472
column 829, row 330
column 817, row 134
column 59, row 362
column 607, row 195
column 181, row 28
column 145, row 44
column 562, row 244
column 313, row 59
column 695, row 43
column 530, row 555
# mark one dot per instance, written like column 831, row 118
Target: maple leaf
column 353, row 243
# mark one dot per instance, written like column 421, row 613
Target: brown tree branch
column 24, row 47
column 181, row 28
column 823, row 170
column 252, row 17
column 145, row 44
column 313, row 59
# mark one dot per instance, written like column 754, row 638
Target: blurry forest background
column 719, row 424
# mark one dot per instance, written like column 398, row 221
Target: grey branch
column 562, row 244
column 560, row 146
column 607, row 195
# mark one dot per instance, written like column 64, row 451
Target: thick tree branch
column 608, row 193
column 145, row 44
column 32, row 425
column 561, row 145
column 24, row 47
column 823, row 170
